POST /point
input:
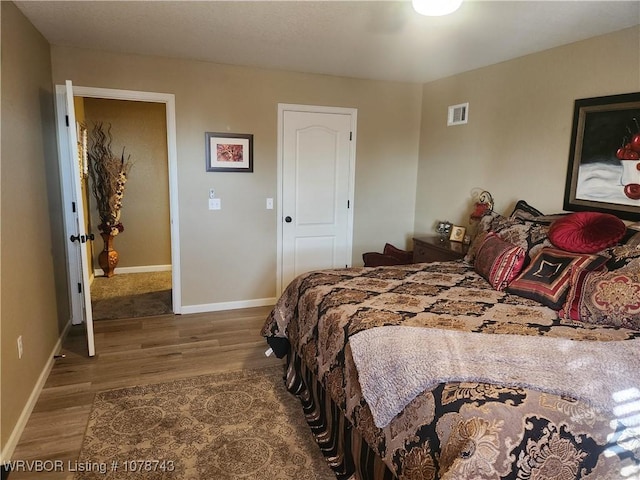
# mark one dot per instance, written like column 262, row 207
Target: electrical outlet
column 20, row 350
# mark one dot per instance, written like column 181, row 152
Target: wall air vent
column 458, row 114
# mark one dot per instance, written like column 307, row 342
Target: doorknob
column 81, row 238
column 287, row 219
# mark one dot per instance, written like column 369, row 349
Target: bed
column 441, row 371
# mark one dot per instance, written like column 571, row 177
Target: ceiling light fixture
column 436, row 8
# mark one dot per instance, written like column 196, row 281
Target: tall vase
column 108, row 257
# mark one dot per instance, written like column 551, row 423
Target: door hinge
column 348, row 204
column 350, row 133
column 66, row 119
column 79, row 288
column 73, row 207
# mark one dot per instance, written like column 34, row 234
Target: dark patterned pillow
column 498, row 261
column 547, row 278
column 621, row 255
column 524, row 211
column 605, row 298
column 631, row 237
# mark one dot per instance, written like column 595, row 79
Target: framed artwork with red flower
column 604, row 159
column 229, row 152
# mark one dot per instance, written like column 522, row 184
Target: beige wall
column 516, row 143
column 34, row 296
column 230, row 255
column 140, row 128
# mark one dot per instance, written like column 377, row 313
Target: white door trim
column 172, row 153
column 353, row 113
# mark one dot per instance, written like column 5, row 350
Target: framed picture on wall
column 229, row 152
column 604, row 166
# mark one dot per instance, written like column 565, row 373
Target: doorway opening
column 142, row 282
column 78, row 253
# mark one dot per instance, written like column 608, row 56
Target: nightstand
column 429, row 248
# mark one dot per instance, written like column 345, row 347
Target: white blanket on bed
column 395, row 364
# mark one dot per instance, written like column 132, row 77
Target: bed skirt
column 344, row 449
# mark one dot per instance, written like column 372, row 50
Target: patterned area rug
column 237, row 425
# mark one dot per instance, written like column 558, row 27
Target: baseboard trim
column 98, row 272
column 7, row 452
column 216, row 307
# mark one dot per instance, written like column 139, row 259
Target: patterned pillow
column 631, row 237
column 489, row 221
column 477, row 241
column 621, row 255
column 529, row 235
column 498, row 261
column 524, row 211
column 605, row 298
column 547, row 278
column 586, row 232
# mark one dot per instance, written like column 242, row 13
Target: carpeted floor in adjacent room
column 130, row 295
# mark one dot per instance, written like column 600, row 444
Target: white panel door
column 77, row 239
column 317, row 161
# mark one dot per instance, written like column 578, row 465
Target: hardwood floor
column 132, row 352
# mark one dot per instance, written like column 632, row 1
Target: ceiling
column 383, row 40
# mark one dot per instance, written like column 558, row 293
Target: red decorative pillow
column 390, row 256
column 605, row 298
column 403, row 256
column 375, row 259
column 498, row 261
column 586, row 232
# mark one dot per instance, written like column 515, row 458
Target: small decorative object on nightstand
column 444, row 229
column 430, row 248
column 457, row 233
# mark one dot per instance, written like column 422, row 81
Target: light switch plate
column 269, row 203
column 215, row 204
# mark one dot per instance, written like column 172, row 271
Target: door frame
column 290, row 107
column 168, row 100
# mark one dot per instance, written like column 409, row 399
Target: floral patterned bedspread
column 457, row 430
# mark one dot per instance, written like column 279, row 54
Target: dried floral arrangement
column 108, row 175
